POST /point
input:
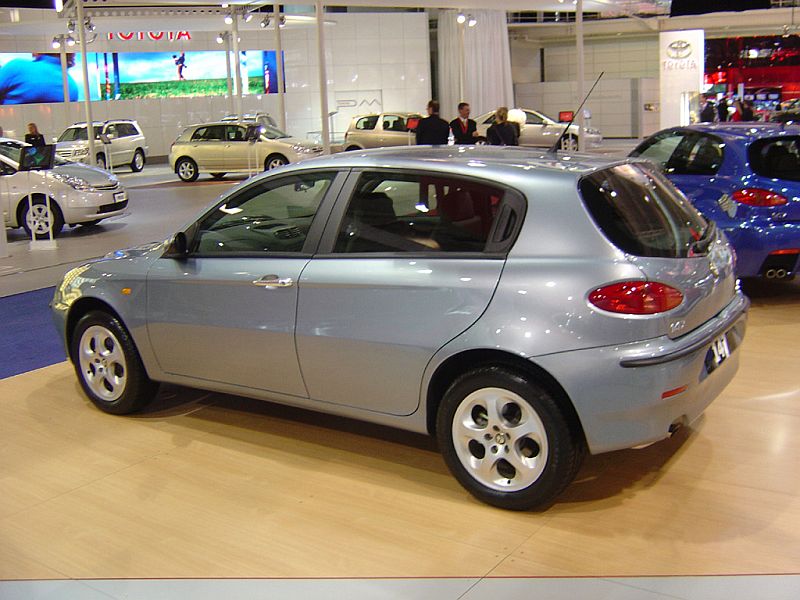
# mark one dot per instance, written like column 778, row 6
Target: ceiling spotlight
column 56, row 43
column 70, row 41
column 283, row 22
column 71, row 26
column 248, row 17
column 228, row 19
column 461, row 18
column 87, row 23
column 472, row 21
column 264, row 23
column 220, row 38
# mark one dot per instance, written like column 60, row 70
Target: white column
column 228, row 73
column 87, row 101
column 64, row 80
column 237, row 67
column 581, row 68
column 279, row 63
column 323, row 79
column 462, row 64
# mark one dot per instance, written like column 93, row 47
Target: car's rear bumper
column 634, row 394
column 754, row 241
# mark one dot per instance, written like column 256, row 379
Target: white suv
column 127, row 144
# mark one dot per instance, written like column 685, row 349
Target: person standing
column 722, row 109
column 464, row 129
column 708, row 113
column 502, row 132
column 433, row 129
column 33, row 137
column 747, row 111
column 180, row 62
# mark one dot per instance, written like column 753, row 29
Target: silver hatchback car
column 522, row 307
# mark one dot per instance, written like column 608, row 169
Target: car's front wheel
column 218, row 175
column 569, row 143
column 37, row 218
column 274, row 161
column 186, row 169
column 108, row 365
column 506, row 439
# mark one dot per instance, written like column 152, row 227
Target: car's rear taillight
column 636, row 297
column 758, row 197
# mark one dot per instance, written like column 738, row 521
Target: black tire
column 544, row 469
column 352, row 148
column 273, row 161
column 100, row 161
column 137, row 164
column 186, row 169
column 91, row 223
column 40, row 217
column 569, row 143
column 123, row 384
column 481, row 141
column 218, row 175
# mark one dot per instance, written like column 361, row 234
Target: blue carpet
column 28, row 338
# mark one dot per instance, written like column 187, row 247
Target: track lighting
column 228, row 19
column 283, row 22
column 88, row 25
column 461, row 18
column 264, row 23
column 472, row 21
column 248, row 17
column 71, row 26
column 56, row 43
column 70, row 41
column 220, row 38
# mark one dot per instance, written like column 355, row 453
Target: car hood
column 154, row 249
column 75, row 144
column 92, row 175
column 293, row 141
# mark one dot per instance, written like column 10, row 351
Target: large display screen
column 34, row 78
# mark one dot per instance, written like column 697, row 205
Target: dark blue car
column 745, row 177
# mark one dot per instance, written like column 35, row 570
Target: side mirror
column 179, row 247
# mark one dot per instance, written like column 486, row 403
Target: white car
column 540, row 130
column 222, row 147
column 126, row 144
column 79, row 194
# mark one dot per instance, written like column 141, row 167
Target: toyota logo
column 679, row 49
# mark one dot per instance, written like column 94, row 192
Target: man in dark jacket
column 433, row 129
column 464, row 129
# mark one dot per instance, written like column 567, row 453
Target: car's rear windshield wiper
column 700, row 245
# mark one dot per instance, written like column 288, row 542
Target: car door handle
column 274, row 281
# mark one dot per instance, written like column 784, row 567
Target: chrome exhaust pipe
column 770, row 274
column 780, row 273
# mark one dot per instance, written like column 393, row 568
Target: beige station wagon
column 226, row 147
column 385, row 129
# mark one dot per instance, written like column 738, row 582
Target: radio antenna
column 572, row 120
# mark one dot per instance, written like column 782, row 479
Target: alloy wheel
column 102, row 362
column 39, row 219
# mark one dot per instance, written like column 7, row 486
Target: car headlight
column 77, row 183
column 305, row 149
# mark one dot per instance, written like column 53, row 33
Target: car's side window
column 271, row 216
column 390, row 213
column 199, row 134
column 394, row 123
column 125, row 130
column 234, row 133
column 660, row 148
column 533, row 119
column 6, row 169
column 367, row 123
column 111, row 130
column 703, row 155
column 490, row 120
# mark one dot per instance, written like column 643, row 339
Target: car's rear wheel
column 218, row 175
column 352, row 148
column 507, row 440
column 481, row 141
column 186, row 169
column 274, row 161
column 137, row 164
column 569, row 143
column 37, row 219
column 108, row 365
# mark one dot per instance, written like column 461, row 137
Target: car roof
column 746, row 132
column 475, row 160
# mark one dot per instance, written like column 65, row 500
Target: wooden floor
column 215, row 486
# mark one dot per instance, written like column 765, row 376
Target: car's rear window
column 776, row 158
column 641, row 212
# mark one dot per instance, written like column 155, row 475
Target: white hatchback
column 79, row 194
